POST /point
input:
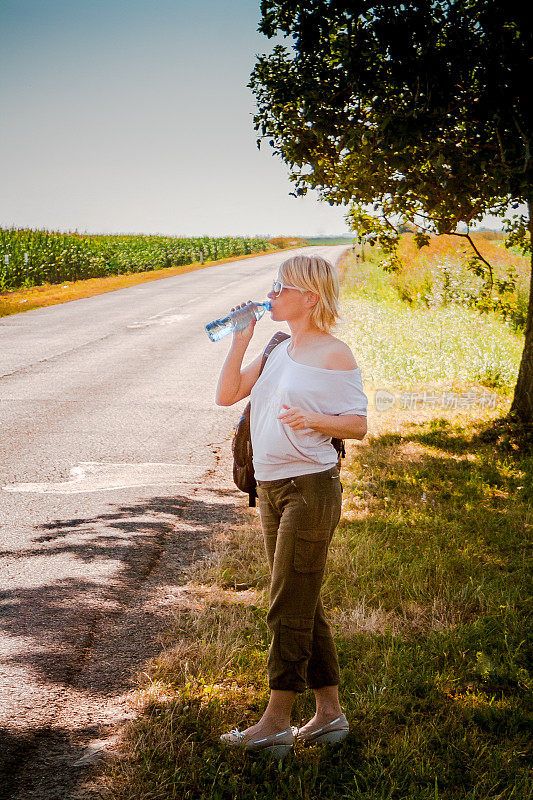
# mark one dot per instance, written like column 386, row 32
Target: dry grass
column 490, row 244
column 423, row 268
column 426, row 590
column 284, row 242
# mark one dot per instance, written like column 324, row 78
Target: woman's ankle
column 276, row 721
column 328, row 712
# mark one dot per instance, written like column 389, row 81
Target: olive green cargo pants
column 298, row 518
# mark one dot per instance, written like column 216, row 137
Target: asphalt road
column 111, row 442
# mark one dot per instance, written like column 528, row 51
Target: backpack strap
column 276, row 339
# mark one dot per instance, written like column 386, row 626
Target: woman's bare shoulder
column 339, row 355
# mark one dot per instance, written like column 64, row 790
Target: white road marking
column 95, row 750
column 158, row 320
column 173, row 308
column 161, row 319
column 97, row 476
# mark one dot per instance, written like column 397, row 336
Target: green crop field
column 34, row 257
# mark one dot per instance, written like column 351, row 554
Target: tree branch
column 478, row 254
column 389, row 223
column 527, row 156
column 500, row 144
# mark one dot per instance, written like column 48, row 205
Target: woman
column 309, row 391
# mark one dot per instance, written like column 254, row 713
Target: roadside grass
column 400, row 346
column 438, row 274
column 428, row 590
column 52, row 294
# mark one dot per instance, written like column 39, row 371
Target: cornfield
column 34, row 257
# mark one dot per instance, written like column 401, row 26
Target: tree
column 419, row 111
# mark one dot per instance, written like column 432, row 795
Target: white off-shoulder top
column 279, row 451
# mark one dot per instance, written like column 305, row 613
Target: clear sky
column 134, row 116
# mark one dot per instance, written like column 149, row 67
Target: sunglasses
column 278, row 286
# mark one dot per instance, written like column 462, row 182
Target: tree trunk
column 522, row 405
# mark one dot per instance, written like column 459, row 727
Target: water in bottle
column 237, row 320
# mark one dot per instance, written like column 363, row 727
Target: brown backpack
column 241, row 446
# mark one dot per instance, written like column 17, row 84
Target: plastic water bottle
column 238, row 319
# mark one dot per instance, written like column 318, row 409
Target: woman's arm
column 344, row 426
column 234, row 383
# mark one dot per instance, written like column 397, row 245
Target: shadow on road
column 91, row 633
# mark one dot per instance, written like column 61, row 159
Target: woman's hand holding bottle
column 238, row 319
column 243, row 336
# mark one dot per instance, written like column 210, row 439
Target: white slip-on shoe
column 277, row 745
column 335, row 731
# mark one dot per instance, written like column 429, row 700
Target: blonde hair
column 315, row 274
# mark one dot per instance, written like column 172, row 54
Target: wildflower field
column 438, row 273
